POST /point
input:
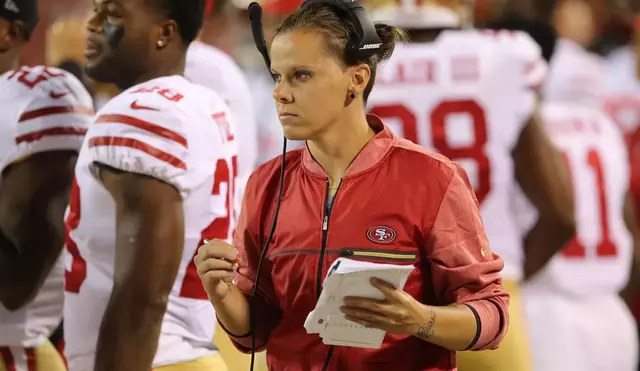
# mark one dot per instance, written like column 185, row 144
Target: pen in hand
column 235, row 262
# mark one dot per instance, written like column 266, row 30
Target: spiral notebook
column 348, row 277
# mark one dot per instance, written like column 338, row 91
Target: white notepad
column 348, row 277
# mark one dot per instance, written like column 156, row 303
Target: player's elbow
column 559, row 218
column 567, row 228
column 27, row 269
column 563, row 205
column 143, row 305
column 142, row 294
column 18, row 297
column 562, row 222
column 153, row 303
column 26, row 283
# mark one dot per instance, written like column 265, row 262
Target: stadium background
column 59, row 37
column 50, row 41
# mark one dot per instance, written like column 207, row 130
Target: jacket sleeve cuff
column 492, row 322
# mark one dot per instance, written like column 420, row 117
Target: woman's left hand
column 398, row 313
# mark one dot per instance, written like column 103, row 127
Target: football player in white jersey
column 154, row 180
column 622, row 101
column 44, row 114
column 216, row 70
column 577, row 319
column 472, row 96
column 211, row 67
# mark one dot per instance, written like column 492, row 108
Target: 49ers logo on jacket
column 381, row 234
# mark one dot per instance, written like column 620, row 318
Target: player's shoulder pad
column 49, row 109
column 608, row 124
column 48, row 86
column 518, row 50
column 515, row 45
column 216, row 70
column 202, row 56
column 146, row 130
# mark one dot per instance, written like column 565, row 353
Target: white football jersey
column 212, row 68
column 468, row 96
column 599, row 258
column 43, row 109
column 622, row 100
column 179, row 133
column 575, row 75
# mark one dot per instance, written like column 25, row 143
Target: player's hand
column 216, row 264
column 397, row 313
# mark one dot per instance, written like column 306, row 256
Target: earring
column 160, row 43
column 352, row 95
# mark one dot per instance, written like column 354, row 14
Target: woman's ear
column 360, row 76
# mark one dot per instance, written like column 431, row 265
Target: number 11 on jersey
column 576, row 247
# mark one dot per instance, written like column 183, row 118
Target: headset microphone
column 255, row 17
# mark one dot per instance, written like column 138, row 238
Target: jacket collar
column 372, row 153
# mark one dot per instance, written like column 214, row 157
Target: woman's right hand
column 216, row 265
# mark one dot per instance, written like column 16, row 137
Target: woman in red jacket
column 356, row 191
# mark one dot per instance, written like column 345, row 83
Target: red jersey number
column 74, row 278
column 219, row 228
column 26, row 77
column 165, row 93
column 605, row 247
column 438, row 118
column 226, row 173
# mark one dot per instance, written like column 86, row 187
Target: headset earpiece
column 365, row 42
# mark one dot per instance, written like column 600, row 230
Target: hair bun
column 389, row 36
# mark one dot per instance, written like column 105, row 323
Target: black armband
column 231, row 333
column 478, row 326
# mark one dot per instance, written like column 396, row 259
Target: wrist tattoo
column 425, row 332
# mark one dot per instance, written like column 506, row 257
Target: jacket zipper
column 325, row 231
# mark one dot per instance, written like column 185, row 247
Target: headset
column 362, row 44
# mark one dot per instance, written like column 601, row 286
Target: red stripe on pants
column 7, row 359
column 31, row 359
column 60, row 347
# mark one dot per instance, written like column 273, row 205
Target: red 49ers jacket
column 425, row 206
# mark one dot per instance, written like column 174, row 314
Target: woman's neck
column 336, row 148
